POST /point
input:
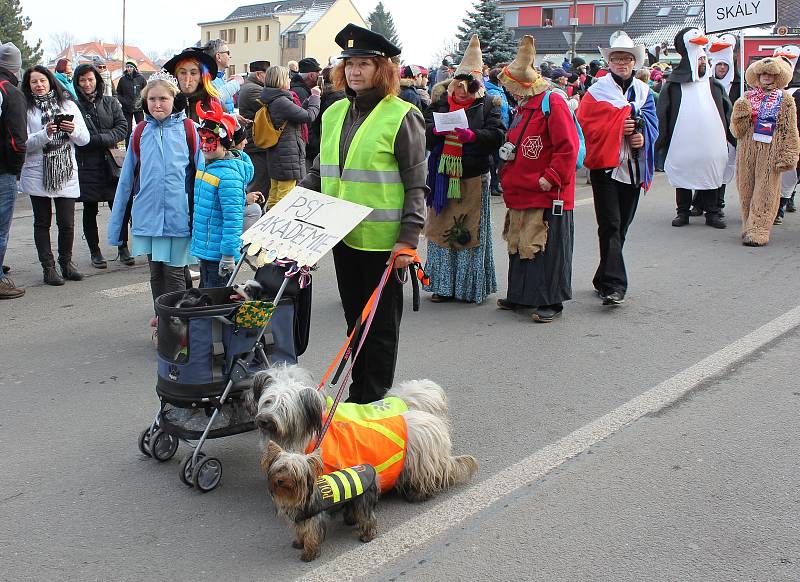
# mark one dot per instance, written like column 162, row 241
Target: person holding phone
column 50, row 175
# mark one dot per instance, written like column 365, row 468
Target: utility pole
column 123, row 35
column 574, row 23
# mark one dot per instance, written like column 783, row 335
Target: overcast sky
column 424, row 26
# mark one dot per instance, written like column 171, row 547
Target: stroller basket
column 198, row 346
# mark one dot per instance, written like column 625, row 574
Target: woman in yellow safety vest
column 372, row 152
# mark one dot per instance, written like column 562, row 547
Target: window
column 292, row 40
column 547, row 17
column 208, row 36
column 664, row 11
column 231, row 70
column 611, row 14
column 246, row 34
column 511, row 18
column 231, row 35
column 266, row 32
column 258, row 33
column 693, row 10
column 223, row 35
column 561, row 16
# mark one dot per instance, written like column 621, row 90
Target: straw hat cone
column 520, row 78
column 470, row 66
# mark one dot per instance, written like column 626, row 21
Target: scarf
column 57, row 158
column 303, row 126
column 445, row 167
column 765, row 105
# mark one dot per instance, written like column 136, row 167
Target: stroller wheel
column 207, row 474
column 144, row 442
column 163, row 445
column 187, row 468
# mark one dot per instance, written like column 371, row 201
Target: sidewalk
column 21, row 253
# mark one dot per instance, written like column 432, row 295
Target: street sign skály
column 722, row 15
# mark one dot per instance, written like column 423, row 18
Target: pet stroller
column 207, row 357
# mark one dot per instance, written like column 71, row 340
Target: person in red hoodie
column 538, row 181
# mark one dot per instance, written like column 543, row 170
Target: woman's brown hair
column 387, row 76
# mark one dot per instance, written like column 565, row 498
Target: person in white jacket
column 50, row 172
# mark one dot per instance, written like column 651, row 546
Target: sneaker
column 8, row 290
column 614, row 298
column 778, row 220
column 545, row 314
column 680, row 220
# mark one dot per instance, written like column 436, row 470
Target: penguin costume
column 765, row 123
column 789, row 179
column 693, row 114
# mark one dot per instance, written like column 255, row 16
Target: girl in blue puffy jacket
column 219, row 197
column 159, row 172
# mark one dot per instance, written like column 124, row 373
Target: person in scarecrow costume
column 765, row 123
column 458, row 228
column 536, row 183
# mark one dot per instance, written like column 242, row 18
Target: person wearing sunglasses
column 219, row 51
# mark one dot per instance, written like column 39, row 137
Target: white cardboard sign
column 724, row 15
column 303, row 227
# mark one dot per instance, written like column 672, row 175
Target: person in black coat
column 97, row 174
column 129, row 94
column 330, row 95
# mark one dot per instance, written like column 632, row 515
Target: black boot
column 790, row 207
column 680, row 220
column 715, row 220
column 69, row 271
column 51, row 275
column 125, row 256
column 98, row 261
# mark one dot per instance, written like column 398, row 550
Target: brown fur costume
column 759, row 165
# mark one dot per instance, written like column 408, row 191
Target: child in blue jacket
column 219, row 197
column 159, row 171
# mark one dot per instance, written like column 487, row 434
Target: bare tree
column 448, row 48
column 60, row 41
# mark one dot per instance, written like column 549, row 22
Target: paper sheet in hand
column 303, row 226
column 450, row 121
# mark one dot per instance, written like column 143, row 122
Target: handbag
column 114, row 159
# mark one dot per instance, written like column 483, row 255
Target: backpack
column 265, row 135
column 581, row 141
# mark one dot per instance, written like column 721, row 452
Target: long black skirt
column 546, row 279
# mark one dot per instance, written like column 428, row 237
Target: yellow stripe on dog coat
column 342, row 486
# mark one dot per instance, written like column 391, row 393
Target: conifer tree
column 380, row 20
column 497, row 44
column 12, row 25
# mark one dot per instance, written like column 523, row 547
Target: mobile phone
column 320, row 81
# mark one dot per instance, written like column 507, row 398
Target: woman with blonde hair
column 286, row 160
column 372, row 152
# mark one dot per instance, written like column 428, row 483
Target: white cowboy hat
column 622, row 43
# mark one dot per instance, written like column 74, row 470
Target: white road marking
column 125, row 290
column 451, row 513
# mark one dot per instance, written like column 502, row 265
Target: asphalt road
column 704, row 489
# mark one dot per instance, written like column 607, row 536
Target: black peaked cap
column 361, row 42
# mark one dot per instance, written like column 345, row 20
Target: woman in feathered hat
column 196, row 71
column 539, row 191
column 458, row 228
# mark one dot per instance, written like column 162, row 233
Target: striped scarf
column 444, row 172
column 766, row 105
column 57, row 155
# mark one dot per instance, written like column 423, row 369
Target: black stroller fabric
column 290, row 335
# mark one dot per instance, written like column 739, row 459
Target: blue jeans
column 209, row 275
column 8, row 196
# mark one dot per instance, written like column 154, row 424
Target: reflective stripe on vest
column 370, row 174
